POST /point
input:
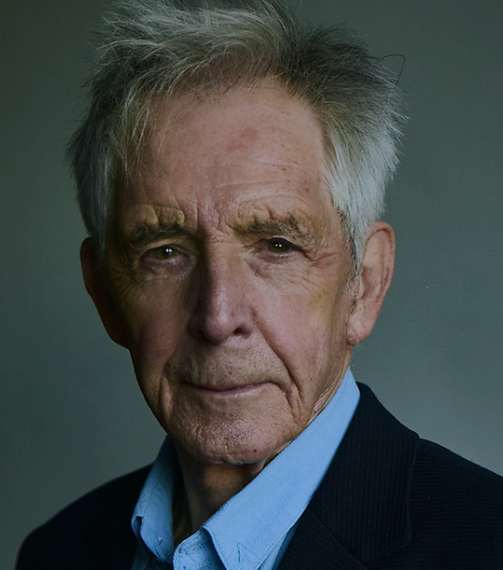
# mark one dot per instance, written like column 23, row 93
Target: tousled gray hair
column 162, row 48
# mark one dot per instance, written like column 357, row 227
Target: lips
column 229, row 390
column 223, row 373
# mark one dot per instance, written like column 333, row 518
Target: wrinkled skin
column 228, row 275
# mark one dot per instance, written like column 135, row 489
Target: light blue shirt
column 252, row 530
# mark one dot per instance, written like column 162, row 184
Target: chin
column 232, row 445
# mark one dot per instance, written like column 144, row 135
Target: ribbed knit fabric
column 389, row 501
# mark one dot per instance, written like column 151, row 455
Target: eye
column 280, row 245
column 163, row 253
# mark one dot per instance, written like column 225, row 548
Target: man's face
column 229, row 274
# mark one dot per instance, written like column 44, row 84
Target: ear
column 97, row 288
column 372, row 284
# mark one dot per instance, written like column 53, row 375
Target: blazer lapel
column 313, row 547
column 360, row 512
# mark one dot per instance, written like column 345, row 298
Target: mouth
column 229, row 391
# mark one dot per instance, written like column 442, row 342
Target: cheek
column 303, row 319
column 321, row 305
column 157, row 335
column 154, row 317
column 307, row 329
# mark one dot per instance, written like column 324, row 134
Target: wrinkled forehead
column 234, row 121
column 246, row 110
column 246, row 143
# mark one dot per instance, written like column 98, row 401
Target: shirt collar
column 152, row 520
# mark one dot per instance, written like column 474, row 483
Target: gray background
column 71, row 415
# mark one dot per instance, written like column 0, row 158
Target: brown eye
column 163, row 253
column 278, row 245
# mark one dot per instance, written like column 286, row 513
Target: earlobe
column 373, row 282
column 97, row 288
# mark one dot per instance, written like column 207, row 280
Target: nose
column 223, row 308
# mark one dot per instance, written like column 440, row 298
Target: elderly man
column 231, row 172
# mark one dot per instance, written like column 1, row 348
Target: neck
column 205, row 489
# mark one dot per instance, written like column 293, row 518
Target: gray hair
column 156, row 48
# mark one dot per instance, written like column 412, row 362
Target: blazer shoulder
column 456, row 509
column 438, row 469
column 87, row 530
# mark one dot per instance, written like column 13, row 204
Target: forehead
column 246, row 153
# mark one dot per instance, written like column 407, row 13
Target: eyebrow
column 289, row 227
column 147, row 233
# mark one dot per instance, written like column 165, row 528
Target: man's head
column 226, row 268
column 154, row 50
